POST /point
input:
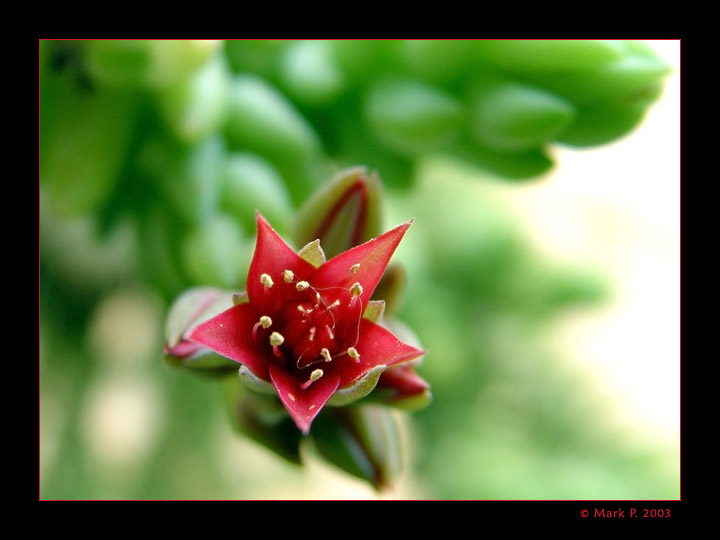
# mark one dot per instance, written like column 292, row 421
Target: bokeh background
column 543, row 274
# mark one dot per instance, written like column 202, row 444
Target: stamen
column 354, row 268
column 288, row 276
column 356, row 289
column 314, row 376
column 276, row 339
column 312, row 331
column 266, row 280
column 352, row 353
column 326, row 354
column 302, row 285
column 334, row 304
column 292, row 398
column 330, row 333
column 264, row 321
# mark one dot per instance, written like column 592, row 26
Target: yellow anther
column 276, row 339
column 356, row 289
column 302, row 285
column 265, row 321
column 266, row 280
column 352, row 353
column 288, row 276
column 314, row 376
column 326, row 354
column 354, row 268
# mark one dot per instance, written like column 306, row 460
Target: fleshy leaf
column 303, row 404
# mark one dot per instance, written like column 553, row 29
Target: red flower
column 302, row 328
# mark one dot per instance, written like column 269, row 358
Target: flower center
column 313, row 325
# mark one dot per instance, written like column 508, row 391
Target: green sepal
column 358, row 389
column 362, row 441
column 255, row 383
column 313, row 253
column 240, row 298
column 374, row 311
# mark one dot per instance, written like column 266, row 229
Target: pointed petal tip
column 303, row 404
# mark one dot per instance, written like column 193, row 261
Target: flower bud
column 404, row 388
column 190, row 309
column 343, row 213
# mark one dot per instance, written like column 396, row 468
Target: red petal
column 303, row 405
column 272, row 256
column 376, row 346
column 230, row 334
column 372, row 256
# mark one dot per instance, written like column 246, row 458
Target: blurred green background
column 543, row 263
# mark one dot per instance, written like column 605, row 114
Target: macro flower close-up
column 305, row 328
column 359, row 269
